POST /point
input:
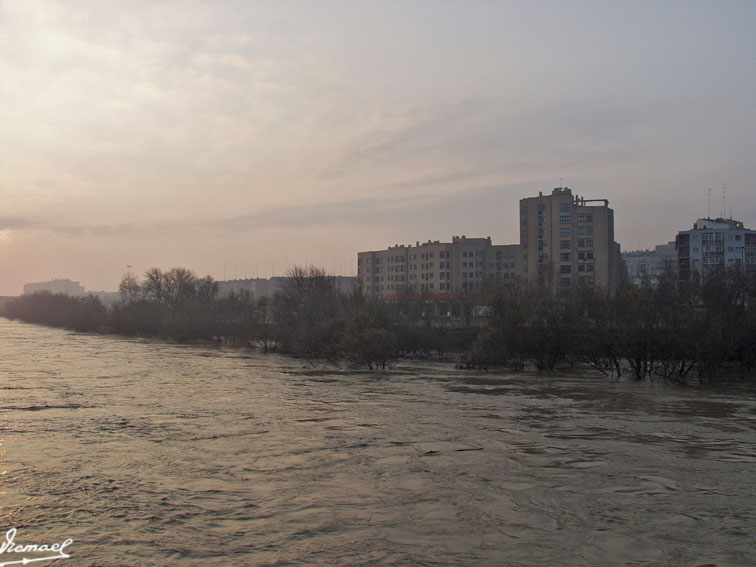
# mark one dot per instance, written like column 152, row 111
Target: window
column 565, row 282
column 566, row 219
column 589, row 230
column 581, row 218
column 566, row 269
column 581, row 231
column 565, row 232
column 565, row 257
column 564, row 207
column 565, row 244
column 589, row 218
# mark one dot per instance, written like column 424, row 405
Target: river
column 150, row 453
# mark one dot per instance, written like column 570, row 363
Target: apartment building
column 648, row 265
column 568, row 240
column 714, row 245
column 434, row 267
column 565, row 240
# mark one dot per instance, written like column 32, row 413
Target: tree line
column 674, row 329
column 677, row 330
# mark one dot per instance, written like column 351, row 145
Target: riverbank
column 680, row 332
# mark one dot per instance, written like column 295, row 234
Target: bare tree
column 154, row 285
column 129, row 288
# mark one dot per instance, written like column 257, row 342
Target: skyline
column 207, row 135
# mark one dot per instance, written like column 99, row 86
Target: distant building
column 564, row 241
column 267, row 287
column 714, row 245
column 239, row 287
column 649, row 265
column 108, row 298
column 66, row 287
column 568, row 240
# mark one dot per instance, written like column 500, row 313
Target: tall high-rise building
column 714, row 245
column 569, row 240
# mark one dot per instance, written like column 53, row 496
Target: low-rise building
column 648, row 265
column 267, row 287
column 66, row 287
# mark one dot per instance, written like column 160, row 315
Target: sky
column 238, row 138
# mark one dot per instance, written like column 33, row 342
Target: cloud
column 15, row 223
column 486, row 205
column 91, row 230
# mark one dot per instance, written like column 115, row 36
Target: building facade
column 569, row 240
column 564, row 241
column 714, row 245
column 648, row 265
column 66, row 287
column 435, row 267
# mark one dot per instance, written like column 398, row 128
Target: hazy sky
column 238, row 138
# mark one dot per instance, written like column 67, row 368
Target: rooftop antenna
column 724, row 200
column 708, row 204
column 129, row 266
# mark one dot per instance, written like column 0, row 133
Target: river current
column 149, row 453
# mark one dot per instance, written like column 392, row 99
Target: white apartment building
column 714, row 245
column 649, row 265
